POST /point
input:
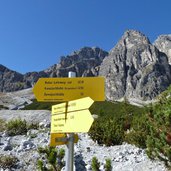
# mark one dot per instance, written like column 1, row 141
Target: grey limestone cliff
column 85, row 62
column 163, row 43
column 135, row 68
column 10, row 80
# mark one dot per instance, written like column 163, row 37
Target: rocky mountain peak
column 2, row 68
column 85, row 62
column 133, row 38
column 163, row 43
column 135, row 68
column 84, row 53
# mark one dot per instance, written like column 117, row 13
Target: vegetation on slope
column 114, row 122
column 159, row 122
column 146, row 127
column 39, row 105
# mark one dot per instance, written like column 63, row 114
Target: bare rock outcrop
column 10, row 80
column 85, row 62
column 163, row 43
column 135, row 68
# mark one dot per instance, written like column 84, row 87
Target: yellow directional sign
column 66, row 89
column 72, row 116
column 60, row 139
column 79, row 121
column 74, row 105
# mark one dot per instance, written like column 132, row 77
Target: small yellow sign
column 74, row 105
column 60, row 139
column 72, row 116
column 79, row 121
column 66, row 89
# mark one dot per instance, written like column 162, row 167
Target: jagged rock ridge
column 85, row 62
column 135, row 68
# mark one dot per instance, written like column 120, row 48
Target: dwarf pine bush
column 159, row 122
column 95, row 164
column 54, row 159
column 108, row 165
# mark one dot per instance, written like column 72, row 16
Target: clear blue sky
column 35, row 33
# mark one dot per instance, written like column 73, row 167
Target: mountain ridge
column 134, row 69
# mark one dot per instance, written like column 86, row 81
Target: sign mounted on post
column 60, row 139
column 72, row 116
column 66, row 89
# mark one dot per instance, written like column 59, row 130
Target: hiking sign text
column 72, row 116
column 66, row 89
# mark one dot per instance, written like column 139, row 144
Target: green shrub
column 138, row 132
column 39, row 105
column 7, row 162
column 108, row 131
column 33, row 135
column 95, row 164
column 108, row 166
column 16, row 127
column 53, row 156
column 19, row 127
column 2, row 125
column 159, row 121
column 113, row 121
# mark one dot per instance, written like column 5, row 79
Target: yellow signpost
column 73, row 116
column 66, row 89
column 60, row 139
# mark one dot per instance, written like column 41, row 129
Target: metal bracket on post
column 70, row 144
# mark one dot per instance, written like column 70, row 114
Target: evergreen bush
column 159, row 121
column 95, row 164
column 108, row 166
column 54, row 159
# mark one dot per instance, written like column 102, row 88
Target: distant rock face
column 135, row 68
column 31, row 77
column 163, row 43
column 85, row 62
column 10, row 80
